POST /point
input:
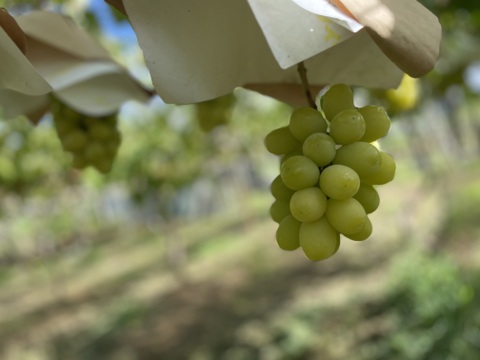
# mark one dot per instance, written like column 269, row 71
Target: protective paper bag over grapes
column 328, row 173
column 258, row 43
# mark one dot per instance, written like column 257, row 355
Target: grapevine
column 328, row 172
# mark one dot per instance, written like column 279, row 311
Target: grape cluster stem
column 302, row 71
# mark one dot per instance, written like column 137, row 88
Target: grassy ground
column 219, row 288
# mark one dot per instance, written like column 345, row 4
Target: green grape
column 320, row 148
column 318, row 239
column 215, row 112
column 289, row 155
column 74, row 141
column 65, row 126
column 281, row 141
column 299, row 172
column 287, row 234
column 101, row 131
column 92, row 141
column 111, row 149
column 279, row 190
column 103, row 164
column 113, row 143
column 363, row 234
column 339, row 182
column 79, row 161
column 279, row 210
column 347, row 127
column 94, row 150
column 346, row 216
column 306, row 121
column 386, row 172
column 377, row 122
column 362, row 157
column 368, row 197
column 338, row 98
column 308, row 205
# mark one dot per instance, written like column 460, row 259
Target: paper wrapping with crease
column 77, row 69
column 198, row 50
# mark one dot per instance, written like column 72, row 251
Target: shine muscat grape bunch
column 328, row 173
column 91, row 141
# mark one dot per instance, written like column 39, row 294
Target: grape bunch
column 91, row 141
column 214, row 113
column 328, row 171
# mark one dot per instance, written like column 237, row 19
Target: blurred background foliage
column 172, row 254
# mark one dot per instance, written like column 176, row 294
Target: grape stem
column 302, row 71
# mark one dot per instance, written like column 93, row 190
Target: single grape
column 320, row 148
column 362, row 157
column 386, row 172
column 289, row 155
column 279, row 190
column 213, row 113
column 279, row 210
column 103, row 164
column 363, row 234
column 281, row 141
column 338, row 98
column 299, row 172
column 368, row 197
column 287, row 234
column 111, row 148
column 64, row 127
column 346, row 216
column 318, row 239
column 347, row 127
column 75, row 140
column 339, row 182
column 94, row 150
column 306, row 121
column 79, row 161
column 308, row 205
column 377, row 122
column 101, row 131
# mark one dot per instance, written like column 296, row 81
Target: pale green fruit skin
column 64, row 127
column 101, row 131
column 103, row 165
column 289, row 155
column 79, row 161
column 279, row 210
column 111, row 149
column 287, row 234
column 377, row 122
column 347, row 127
column 308, row 205
column 306, row 121
column 346, row 216
column 363, row 234
column 281, row 141
column 368, row 197
column 279, row 190
column 338, row 98
column 93, row 151
column 74, row 141
column 318, row 239
column 362, row 157
column 339, row 182
column 299, row 172
column 320, row 148
column 386, row 172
